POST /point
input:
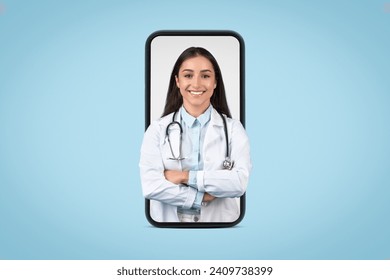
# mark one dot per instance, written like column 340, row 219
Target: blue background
column 72, row 121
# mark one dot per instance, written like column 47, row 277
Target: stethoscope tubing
column 227, row 164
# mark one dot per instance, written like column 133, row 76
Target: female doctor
column 195, row 159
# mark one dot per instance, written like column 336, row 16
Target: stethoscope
column 227, row 163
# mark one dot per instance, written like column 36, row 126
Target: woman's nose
column 196, row 81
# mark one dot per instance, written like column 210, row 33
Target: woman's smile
column 196, row 93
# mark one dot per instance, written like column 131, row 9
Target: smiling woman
column 195, row 159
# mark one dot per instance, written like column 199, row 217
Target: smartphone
column 162, row 50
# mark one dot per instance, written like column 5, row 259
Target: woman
column 186, row 170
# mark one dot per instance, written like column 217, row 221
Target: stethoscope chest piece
column 228, row 163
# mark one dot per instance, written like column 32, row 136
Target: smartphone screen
column 211, row 201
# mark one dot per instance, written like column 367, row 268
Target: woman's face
column 196, row 81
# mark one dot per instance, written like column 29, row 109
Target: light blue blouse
column 194, row 131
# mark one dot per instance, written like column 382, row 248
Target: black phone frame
column 147, row 115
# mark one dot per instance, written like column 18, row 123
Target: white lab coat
column 225, row 185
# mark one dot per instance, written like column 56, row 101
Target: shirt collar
column 202, row 119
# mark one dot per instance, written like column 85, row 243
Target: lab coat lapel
column 213, row 133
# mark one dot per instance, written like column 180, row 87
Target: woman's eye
column 206, row 76
column 187, row 75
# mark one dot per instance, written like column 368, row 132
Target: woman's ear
column 215, row 85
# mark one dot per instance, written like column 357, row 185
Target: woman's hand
column 181, row 177
column 176, row 177
column 208, row 197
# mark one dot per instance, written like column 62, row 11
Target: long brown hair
column 174, row 99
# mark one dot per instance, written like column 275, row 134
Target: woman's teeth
column 196, row 92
